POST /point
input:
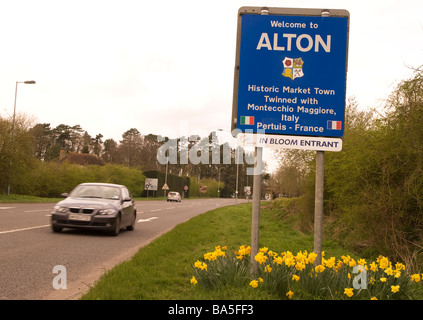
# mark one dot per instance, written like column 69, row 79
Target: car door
column 127, row 207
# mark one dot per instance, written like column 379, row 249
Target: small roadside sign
column 151, row 184
column 165, row 187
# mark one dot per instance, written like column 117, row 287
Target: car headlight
column 106, row 211
column 60, row 209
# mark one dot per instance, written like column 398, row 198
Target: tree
column 110, row 151
column 97, row 144
column 42, row 140
column 130, row 148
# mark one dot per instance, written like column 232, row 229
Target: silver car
column 174, row 196
column 100, row 206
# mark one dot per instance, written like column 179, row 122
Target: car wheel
column 116, row 228
column 132, row 226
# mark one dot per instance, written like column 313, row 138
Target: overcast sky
column 166, row 67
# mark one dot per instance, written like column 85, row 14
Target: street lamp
column 13, row 132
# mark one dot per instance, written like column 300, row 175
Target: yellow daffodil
column 330, row 263
column 339, row 265
column 254, row 283
column 193, row 281
column 349, row 292
column 272, row 253
column 289, row 261
column 383, row 279
column 288, row 255
column 311, row 257
column 300, row 257
column 219, row 253
column 289, row 294
column 244, row 250
column 373, row 266
column 399, row 266
column 415, row 277
column 260, row 258
column 389, row 271
column 200, row 265
column 210, row 256
column 278, row 260
column 268, row 269
column 319, row 268
column 346, row 259
column 362, row 262
column 395, row 289
column 295, row 277
column 299, row 266
column 383, row 262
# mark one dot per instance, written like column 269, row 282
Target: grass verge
column 16, row 198
column 162, row 270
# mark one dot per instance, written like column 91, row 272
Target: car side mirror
column 126, row 199
column 65, row 195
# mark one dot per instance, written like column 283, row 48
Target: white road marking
column 43, row 210
column 148, row 219
column 6, row 208
column 23, row 229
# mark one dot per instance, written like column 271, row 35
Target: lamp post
column 13, row 133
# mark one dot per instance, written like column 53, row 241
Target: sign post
column 290, row 89
column 318, row 206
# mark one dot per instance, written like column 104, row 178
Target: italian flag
column 247, row 120
column 334, row 125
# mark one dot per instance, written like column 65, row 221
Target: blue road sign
column 292, row 74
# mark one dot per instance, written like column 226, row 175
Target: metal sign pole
column 255, row 223
column 255, row 219
column 318, row 206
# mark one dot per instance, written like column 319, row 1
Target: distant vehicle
column 100, row 206
column 174, row 196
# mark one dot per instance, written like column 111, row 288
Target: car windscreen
column 103, row 192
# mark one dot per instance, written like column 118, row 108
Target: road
column 29, row 250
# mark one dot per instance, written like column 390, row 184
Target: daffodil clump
column 289, row 275
column 219, row 268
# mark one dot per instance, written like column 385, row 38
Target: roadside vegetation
column 374, row 187
column 42, row 161
column 207, row 258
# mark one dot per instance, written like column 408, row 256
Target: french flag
column 334, row 125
